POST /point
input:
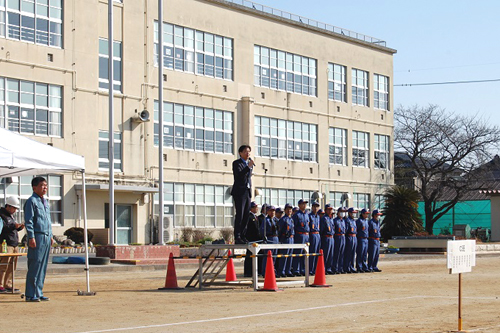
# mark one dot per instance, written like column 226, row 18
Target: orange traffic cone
column 320, row 278
column 270, row 280
column 171, row 278
column 230, row 273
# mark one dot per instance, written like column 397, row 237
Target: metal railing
column 305, row 20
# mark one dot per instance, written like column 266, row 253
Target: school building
column 314, row 101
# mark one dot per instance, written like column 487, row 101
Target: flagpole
column 111, row 136
column 161, row 227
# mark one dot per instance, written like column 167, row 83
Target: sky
column 436, row 41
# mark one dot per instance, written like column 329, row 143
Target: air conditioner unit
column 168, row 232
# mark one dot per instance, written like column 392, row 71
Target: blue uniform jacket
column 301, row 222
column 350, row 226
column 314, row 222
column 271, row 227
column 326, row 226
column 374, row 228
column 37, row 216
column 339, row 224
column 285, row 227
column 362, row 227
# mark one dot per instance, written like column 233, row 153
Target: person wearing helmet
column 9, row 234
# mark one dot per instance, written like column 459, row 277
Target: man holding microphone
column 242, row 192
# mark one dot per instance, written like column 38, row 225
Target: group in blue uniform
column 349, row 245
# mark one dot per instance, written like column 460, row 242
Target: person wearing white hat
column 9, row 234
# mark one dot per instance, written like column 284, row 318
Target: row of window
column 30, row 107
column 32, row 21
column 193, row 51
column 283, row 139
column 20, row 187
column 359, row 200
column 337, row 87
column 280, row 197
column 197, row 205
column 337, row 138
column 194, row 128
column 203, row 53
column 286, row 71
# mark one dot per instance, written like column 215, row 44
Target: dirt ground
column 408, row 296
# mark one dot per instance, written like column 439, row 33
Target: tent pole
column 85, row 240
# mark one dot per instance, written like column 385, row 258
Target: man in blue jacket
column 327, row 231
column 314, row 237
column 350, row 241
column 374, row 241
column 362, row 235
column 286, row 235
column 39, row 232
column 301, row 227
column 269, row 231
column 339, row 241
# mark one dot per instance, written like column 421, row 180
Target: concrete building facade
column 314, row 102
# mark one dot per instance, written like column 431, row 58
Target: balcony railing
column 305, row 20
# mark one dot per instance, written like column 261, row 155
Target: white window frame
column 54, row 19
column 337, row 142
column 116, row 58
column 118, row 140
column 337, row 79
column 360, row 151
column 200, row 45
column 285, row 67
column 381, row 92
column 360, row 86
column 361, row 200
column 53, row 108
column 287, row 135
column 172, row 120
column 381, row 151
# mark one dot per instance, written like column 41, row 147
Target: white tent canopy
column 22, row 156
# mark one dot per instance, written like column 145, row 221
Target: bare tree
column 445, row 151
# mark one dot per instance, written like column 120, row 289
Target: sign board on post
column 461, row 256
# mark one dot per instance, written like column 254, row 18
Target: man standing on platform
column 339, row 241
column 374, row 241
column 242, row 191
column 39, row 232
column 350, row 241
column 301, row 227
column 252, row 234
column 362, row 235
column 314, row 238
column 11, row 237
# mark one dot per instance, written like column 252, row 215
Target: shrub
column 201, row 234
column 187, row 234
column 227, row 234
column 401, row 213
column 76, row 234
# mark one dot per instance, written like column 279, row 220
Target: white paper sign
column 461, row 256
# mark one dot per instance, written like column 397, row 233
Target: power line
column 445, row 82
column 446, row 67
